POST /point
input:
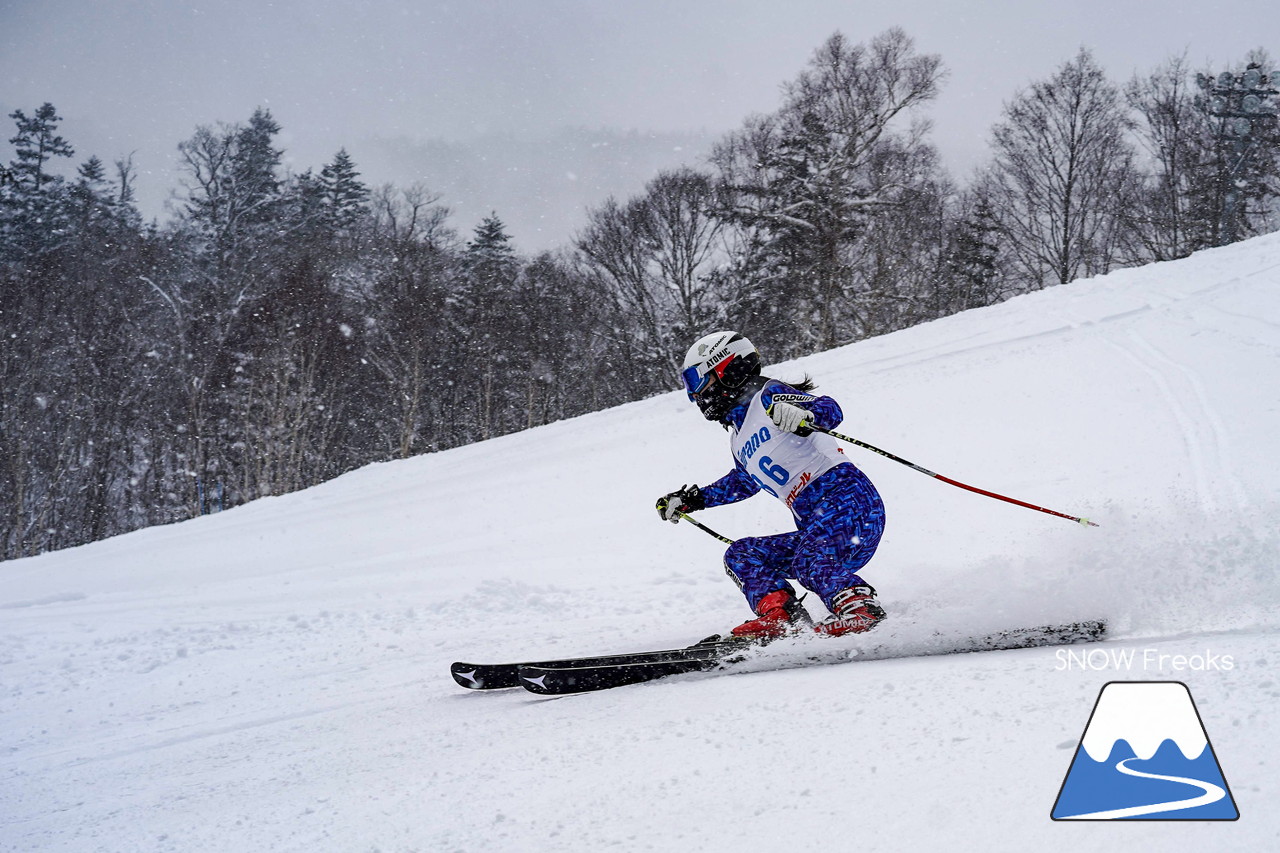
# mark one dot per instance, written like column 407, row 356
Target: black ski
column 602, row 675
column 554, row 681
column 495, row 676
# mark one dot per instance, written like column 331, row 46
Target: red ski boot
column 855, row 610
column 780, row 613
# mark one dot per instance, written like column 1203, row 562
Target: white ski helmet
column 715, row 369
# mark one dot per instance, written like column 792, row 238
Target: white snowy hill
column 276, row 677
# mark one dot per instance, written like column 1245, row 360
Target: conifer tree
column 486, row 306
column 254, row 166
column 490, row 255
column 971, row 267
column 37, row 143
column 32, row 200
column 344, row 196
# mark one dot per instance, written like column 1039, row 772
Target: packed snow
column 275, row 677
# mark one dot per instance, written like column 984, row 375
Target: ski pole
column 952, row 482
column 698, row 524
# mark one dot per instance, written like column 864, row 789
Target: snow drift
column 276, row 676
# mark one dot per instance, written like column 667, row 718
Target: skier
column 838, row 512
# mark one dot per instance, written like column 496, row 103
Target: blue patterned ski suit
column 839, row 515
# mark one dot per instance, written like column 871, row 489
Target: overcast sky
column 380, row 76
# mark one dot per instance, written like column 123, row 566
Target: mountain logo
column 1145, row 755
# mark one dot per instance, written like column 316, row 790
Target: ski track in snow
column 1200, row 435
column 276, row 677
column 1215, row 436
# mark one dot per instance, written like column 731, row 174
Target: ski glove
column 790, row 417
column 684, row 499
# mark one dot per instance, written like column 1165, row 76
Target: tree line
column 283, row 328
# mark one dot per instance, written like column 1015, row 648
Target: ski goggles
column 696, row 378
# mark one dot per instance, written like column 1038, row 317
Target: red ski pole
column 886, row 454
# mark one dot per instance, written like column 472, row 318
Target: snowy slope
column 275, row 677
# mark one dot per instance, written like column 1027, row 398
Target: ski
column 555, row 681
column 497, row 676
column 590, row 676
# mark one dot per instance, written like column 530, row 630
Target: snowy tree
column 296, row 354
column 485, row 305
column 232, row 191
column 92, row 202
column 37, row 143
column 553, row 315
column 345, row 197
column 32, row 199
column 683, row 235
column 490, row 256
column 254, row 163
column 652, row 259
column 410, row 332
column 972, row 272
column 1171, row 130
column 230, row 230
column 805, row 181
column 1063, row 173
column 74, row 326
